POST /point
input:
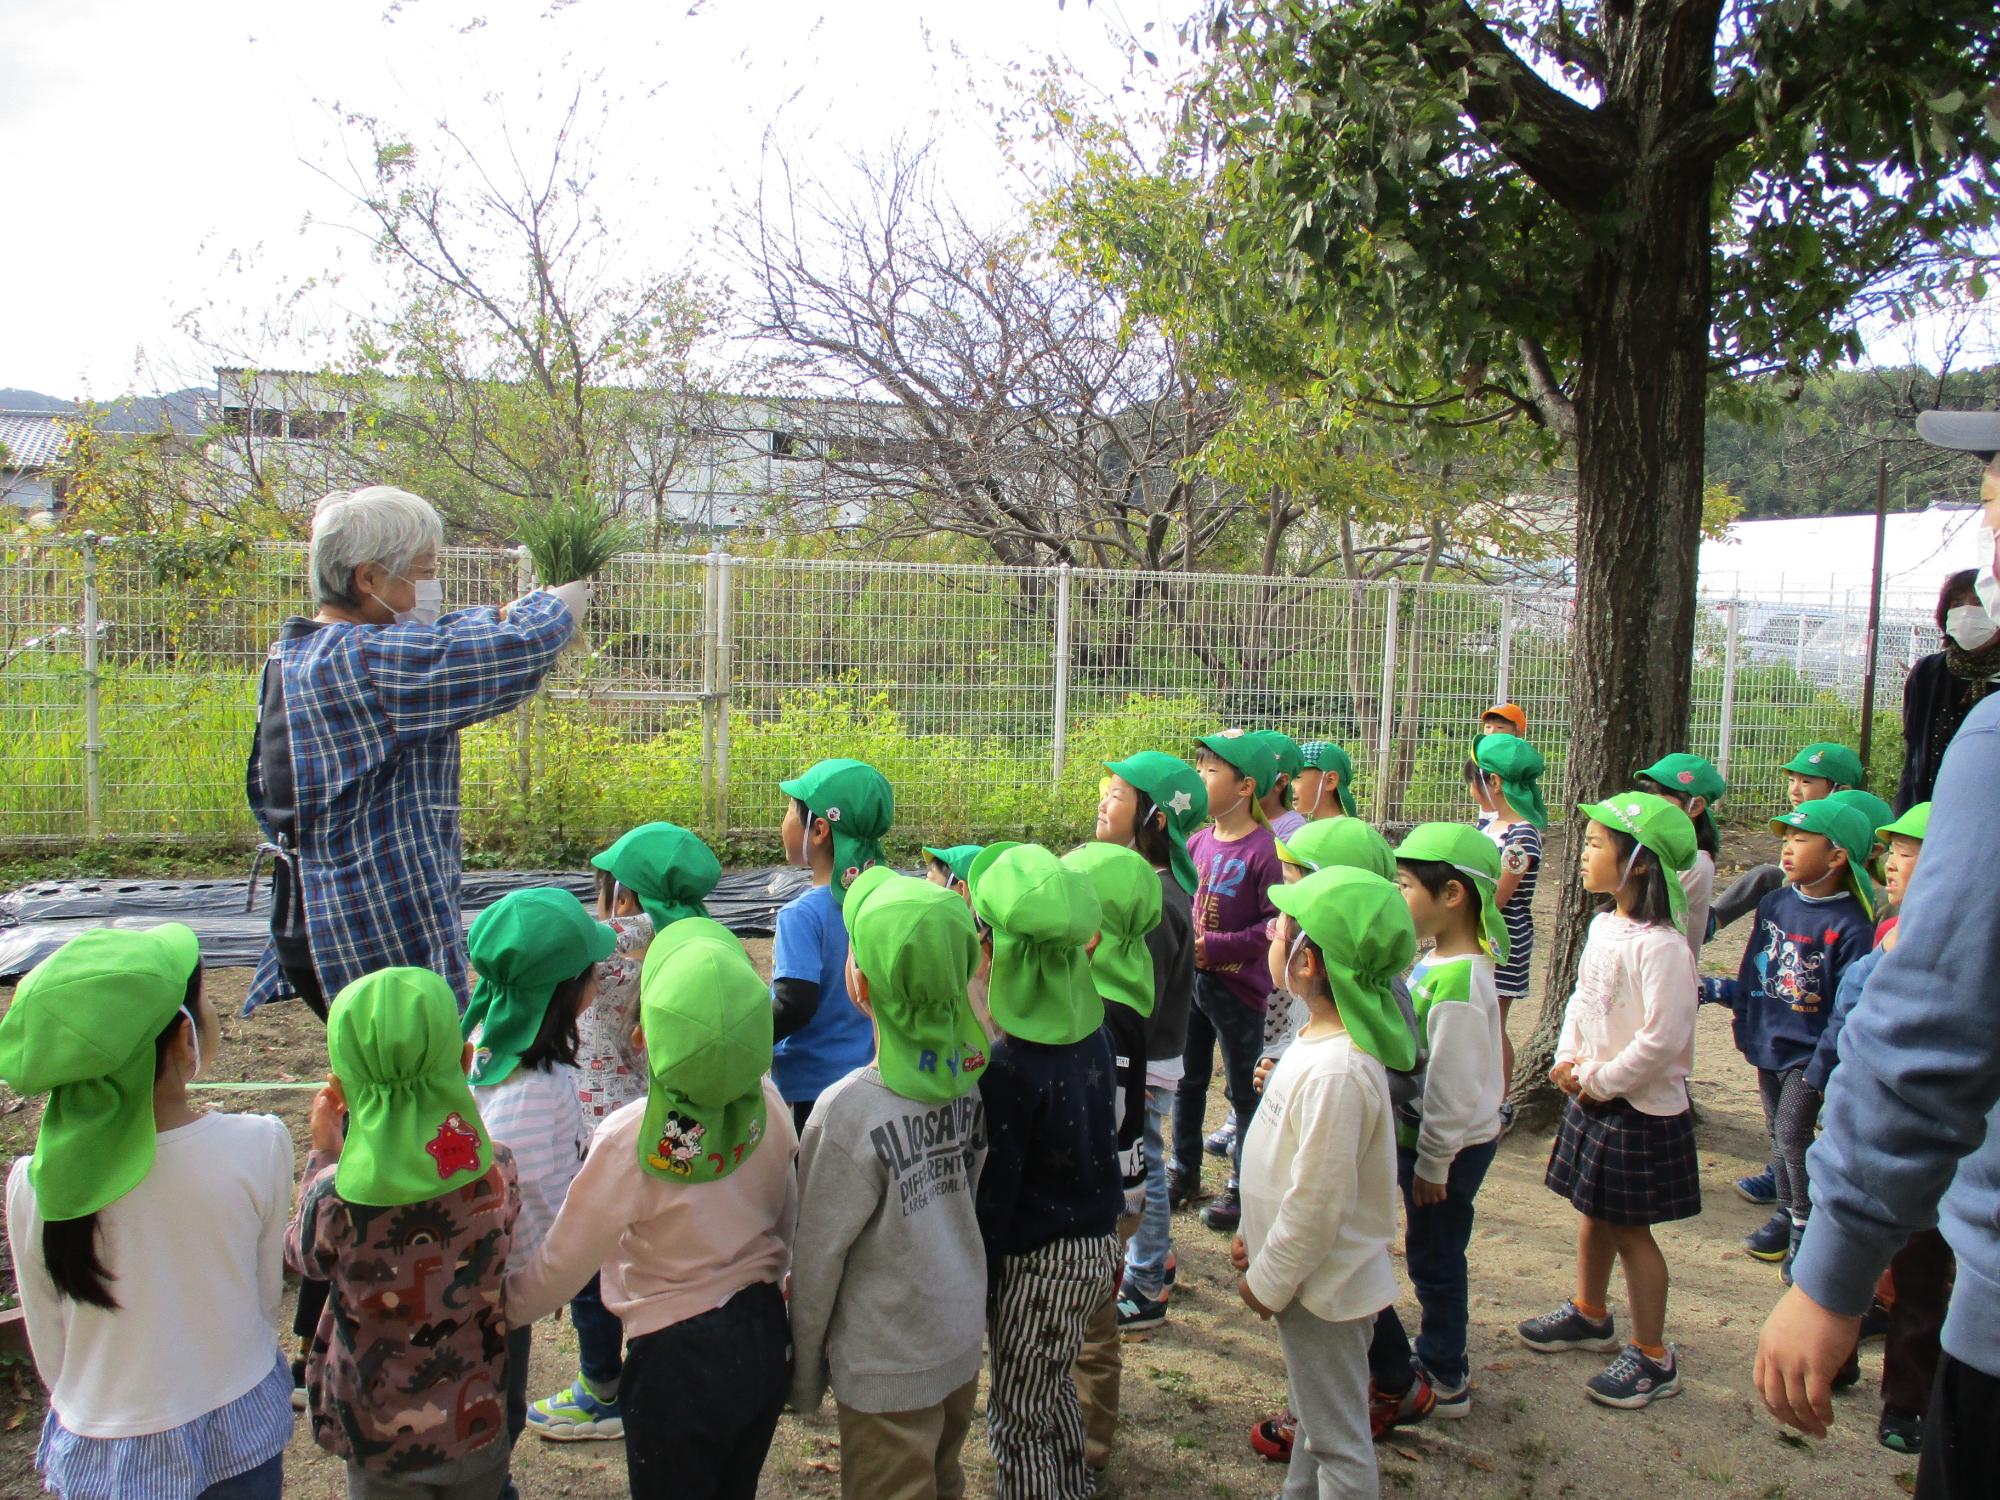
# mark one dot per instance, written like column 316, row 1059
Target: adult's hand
column 1800, row 1350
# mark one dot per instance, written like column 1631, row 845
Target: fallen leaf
column 1408, row 1455
column 822, row 1466
column 1498, row 1367
column 1480, row 1462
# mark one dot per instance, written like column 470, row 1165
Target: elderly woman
column 353, row 775
column 1943, row 687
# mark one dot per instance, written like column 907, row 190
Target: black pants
column 1961, row 1435
column 701, row 1399
column 1922, row 1274
column 1216, row 1019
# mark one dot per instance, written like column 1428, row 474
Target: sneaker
column 1875, row 1322
column 1453, row 1401
column 1566, row 1328
column 1849, row 1375
column 1136, row 1312
column 1771, row 1240
column 1221, row 1141
column 1173, row 1267
column 1225, row 1213
column 1273, row 1436
column 575, row 1415
column 1182, row 1189
column 1408, row 1409
column 1798, row 1234
column 1901, row 1431
column 299, row 1385
column 1760, row 1189
column 1632, row 1380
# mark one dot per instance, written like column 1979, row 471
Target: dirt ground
column 1194, row 1387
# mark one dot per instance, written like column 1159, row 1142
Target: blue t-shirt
column 810, row 942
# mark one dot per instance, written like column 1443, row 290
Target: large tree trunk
column 1642, row 380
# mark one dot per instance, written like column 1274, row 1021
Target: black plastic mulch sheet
column 38, row 919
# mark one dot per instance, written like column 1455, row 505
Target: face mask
column 428, row 606
column 1985, row 584
column 1969, row 626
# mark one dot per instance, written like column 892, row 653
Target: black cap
column 1970, row 431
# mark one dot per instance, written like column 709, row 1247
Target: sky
column 163, row 161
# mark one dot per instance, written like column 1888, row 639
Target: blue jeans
column 1146, row 1255
column 600, row 1337
column 1434, row 1254
column 265, row 1482
column 1217, row 1017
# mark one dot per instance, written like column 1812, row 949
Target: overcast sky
column 158, row 156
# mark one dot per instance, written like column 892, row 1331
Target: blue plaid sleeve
column 434, row 680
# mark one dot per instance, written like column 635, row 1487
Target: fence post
column 93, row 740
column 711, row 597
column 724, row 673
column 524, row 716
column 1726, row 727
column 1386, row 715
column 1059, row 745
column 1500, row 694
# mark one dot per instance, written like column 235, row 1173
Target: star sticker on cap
column 1180, row 802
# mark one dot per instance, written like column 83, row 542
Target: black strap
column 278, row 810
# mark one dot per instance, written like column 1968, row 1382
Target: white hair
column 379, row 524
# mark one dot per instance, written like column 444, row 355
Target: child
column 1808, row 933
column 535, row 954
column 888, row 1167
column 409, row 1219
column 1049, row 1195
column 686, row 1200
column 1503, row 718
column 652, row 877
column 1624, row 1154
column 1277, row 802
column 1319, row 1164
column 1121, row 967
column 1878, row 814
column 1151, row 802
column 1448, row 874
column 947, row 867
column 1236, row 861
column 1693, row 785
column 1813, row 775
column 1920, row 1276
column 147, row 1239
column 1325, row 788
column 1347, row 844
column 833, row 825
column 1512, row 769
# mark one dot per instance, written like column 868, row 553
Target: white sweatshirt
column 1698, row 882
column 1458, row 1005
column 1629, row 1027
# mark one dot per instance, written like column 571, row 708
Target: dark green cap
column 521, row 947
column 957, row 858
column 1849, row 828
column 858, row 805
column 1325, row 755
column 667, row 868
column 1685, row 776
column 1175, row 788
column 1519, row 766
column 1251, row 754
column 1829, row 761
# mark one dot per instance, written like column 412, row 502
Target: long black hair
column 557, row 1040
column 1150, row 839
column 69, row 1246
column 1653, row 905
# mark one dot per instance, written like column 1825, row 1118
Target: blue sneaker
column 1772, row 1240
column 1632, row 1380
column 1221, row 1141
column 1761, row 1189
column 1566, row 1328
column 576, row 1415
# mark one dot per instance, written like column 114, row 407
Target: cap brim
column 1967, row 431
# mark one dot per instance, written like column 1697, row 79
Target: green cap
column 413, row 1131
column 1325, row 755
column 915, row 944
column 522, row 947
column 1251, row 754
column 1473, row 855
column 1176, row 789
column 1128, row 898
column 1870, row 806
column 1042, row 914
column 1914, row 824
column 666, row 867
column 855, row 800
column 1831, row 762
column 1660, row 828
column 1685, row 776
column 1290, row 757
column 83, row 1029
column 1849, row 828
column 1337, row 842
column 707, row 1019
column 1361, row 926
column 957, row 858
column 1519, row 766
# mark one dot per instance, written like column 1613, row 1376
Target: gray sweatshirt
column 888, row 1271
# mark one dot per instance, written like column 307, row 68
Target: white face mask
column 428, row 605
column 1969, row 626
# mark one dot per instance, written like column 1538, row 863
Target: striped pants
column 1034, row 1421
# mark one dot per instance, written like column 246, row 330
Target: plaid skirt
column 1621, row 1165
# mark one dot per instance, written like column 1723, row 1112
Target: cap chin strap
column 1147, row 807
column 1292, row 957
column 1630, row 860
column 194, row 1032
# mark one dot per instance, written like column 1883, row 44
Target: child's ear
column 465, row 1059
column 1697, row 806
column 638, row 1038
column 1090, row 948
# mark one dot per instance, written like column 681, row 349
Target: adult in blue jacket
column 1912, row 1118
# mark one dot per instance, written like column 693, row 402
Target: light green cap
column 1334, row 842
column 1914, row 824
column 1474, row 856
column 1361, row 926
column 1176, row 789
column 1519, row 766
column 1042, row 914
column 706, row 1016
column 1831, row 762
column 84, row 1028
column 413, row 1131
column 1129, row 899
column 915, row 944
column 1658, row 826
column 858, row 805
column 522, row 947
column 1251, row 754
column 957, row 858
column 668, row 869
column 1849, row 828
column 983, row 861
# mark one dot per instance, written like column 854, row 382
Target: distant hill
column 183, row 411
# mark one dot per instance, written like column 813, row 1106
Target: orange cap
column 1512, row 713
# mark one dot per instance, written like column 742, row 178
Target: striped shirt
column 1520, row 851
column 536, row 1115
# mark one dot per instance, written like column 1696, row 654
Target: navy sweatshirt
column 1783, row 994
column 1051, row 1168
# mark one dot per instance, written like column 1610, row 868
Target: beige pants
column 1098, row 1368
column 905, row 1455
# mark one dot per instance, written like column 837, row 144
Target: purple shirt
column 1232, row 906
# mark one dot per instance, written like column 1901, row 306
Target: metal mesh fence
column 990, row 697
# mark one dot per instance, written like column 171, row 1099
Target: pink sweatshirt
column 669, row 1251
